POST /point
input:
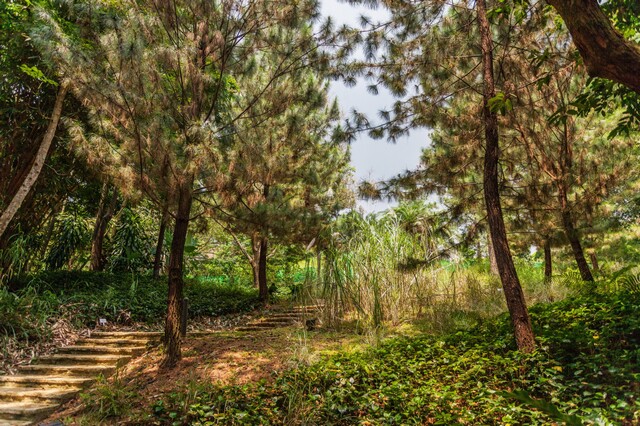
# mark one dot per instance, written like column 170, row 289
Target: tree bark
column 493, row 262
column 263, row 289
column 38, row 162
column 605, row 52
column 157, row 259
column 172, row 337
column 255, row 260
column 572, row 235
column 594, row 261
column 547, row 260
column 510, row 283
column 318, row 266
column 103, row 217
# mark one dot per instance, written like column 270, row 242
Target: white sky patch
column 372, row 159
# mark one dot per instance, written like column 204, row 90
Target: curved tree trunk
column 172, row 337
column 604, row 51
column 510, row 283
column 38, row 162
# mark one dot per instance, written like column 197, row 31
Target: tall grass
column 377, row 272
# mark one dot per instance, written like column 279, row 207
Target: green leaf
column 34, row 72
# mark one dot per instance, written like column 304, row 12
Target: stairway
column 283, row 318
column 42, row 386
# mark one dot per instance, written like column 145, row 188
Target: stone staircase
column 42, row 386
column 283, row 318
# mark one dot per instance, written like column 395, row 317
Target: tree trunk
column 318, row 266
column 263, row 289
column 572, row 235
column 103, row 217
column 594, row 261
column 38, row 162
column 172, row 337
column 604, row 51
column 547, row 260
column 493, row 262
column 255, row 260
column 511, row 285
column 157, row 259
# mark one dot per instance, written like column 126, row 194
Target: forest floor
column 223, row 358
column 585, row 371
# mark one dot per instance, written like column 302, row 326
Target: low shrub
column 83, row 297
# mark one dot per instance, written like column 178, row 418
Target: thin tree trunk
column 510, row 283
column 172, row 337
column 574, row 240
column 493, row 262
column 38, row 162
column 547, row 260
column 594, row 261
column 263, row 289
column 103, row 217
column 255, row 260
column 318, row 266
column 157, row 259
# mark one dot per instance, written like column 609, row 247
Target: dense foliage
column 585, row 369
column 83, row 297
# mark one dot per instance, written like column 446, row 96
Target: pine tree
column 162, row 82
column 284, row 176
column 446, row 52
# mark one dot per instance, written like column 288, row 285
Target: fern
column 630, row 283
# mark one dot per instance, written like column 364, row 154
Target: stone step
column 292, row 316
column 39, row 388
column 84, row 359
column 25, row 411
column 252, row 328
column 41, row 381
column 112, row 342
column 278, row 320
column 97, row 349
column 131, row 335
column 69, row 370
column 299, row 312
column 308, row 308
column 268, row 324
column 8, row 422
column 27, row 394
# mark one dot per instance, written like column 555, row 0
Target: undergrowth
column 29, row 315
column 586, row 370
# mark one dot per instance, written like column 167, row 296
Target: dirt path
column 219, row 358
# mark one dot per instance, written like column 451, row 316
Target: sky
column 372, row 159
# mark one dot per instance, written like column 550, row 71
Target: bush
column 86, row 296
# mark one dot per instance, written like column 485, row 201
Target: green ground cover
column 586, row 370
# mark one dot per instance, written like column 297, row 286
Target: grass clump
column 586, row 370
